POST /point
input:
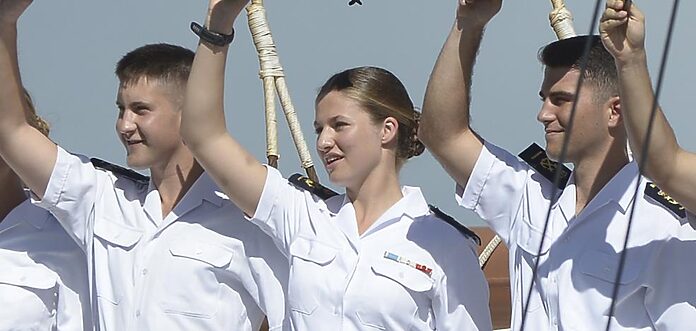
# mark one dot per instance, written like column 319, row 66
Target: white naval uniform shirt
column 202, row 267
column 43, row 274
column 580, row 257
column 340, row 280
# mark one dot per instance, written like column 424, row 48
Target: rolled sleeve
column 495, row 188
column 282, row 210
column 71, row 193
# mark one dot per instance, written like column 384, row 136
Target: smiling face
column 349, row 143
column 148, row 123
column 590, row 129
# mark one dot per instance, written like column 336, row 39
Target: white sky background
column 68, row 50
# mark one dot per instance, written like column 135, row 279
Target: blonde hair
column 383, row 95
column 32, row 118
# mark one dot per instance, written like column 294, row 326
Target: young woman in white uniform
column 43, row 278
column 374, row 258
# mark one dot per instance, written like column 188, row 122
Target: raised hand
column 622, row 29
column 478, row 12
column 222, row 13
column 11, row 10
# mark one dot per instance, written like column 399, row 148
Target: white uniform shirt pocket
column 600, row 269
column 113, row 233
column 193, row 287
column 310, row 266
column 406, row 290
column 28, row 297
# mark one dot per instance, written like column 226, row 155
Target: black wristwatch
column 215, row 38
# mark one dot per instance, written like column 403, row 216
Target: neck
column 377, row 193
column 174, row 179
column 13, row 193
column 593, row 173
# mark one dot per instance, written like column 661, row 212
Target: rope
column 644, row 154
column 273, row 77
column 561, row 20
column 564, row 152
column 488, row 251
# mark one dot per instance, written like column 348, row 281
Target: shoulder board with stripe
column 536, row 157
column 313, row 187
column 665, row 200
column 119, row 170
column 459, row 226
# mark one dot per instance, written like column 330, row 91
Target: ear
column 390, row 128
column 615, row 114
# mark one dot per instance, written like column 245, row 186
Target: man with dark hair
column 579, row 254
column 164, row 253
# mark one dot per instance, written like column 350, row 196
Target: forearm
column 447, row 97
column 11, row 101
column 637, row 100
column 203, row 127
column 28, row 152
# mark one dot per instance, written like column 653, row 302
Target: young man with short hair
column 164, row 253
column 580, row 257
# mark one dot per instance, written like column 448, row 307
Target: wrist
column 635, row 59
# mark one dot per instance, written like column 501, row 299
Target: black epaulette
column 116, row 169
column 313, row 187
column 536, row 157
column 661, row 197
column 459, row 226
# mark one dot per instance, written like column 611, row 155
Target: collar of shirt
column 203, row 189
column 412, row 205
column 620, row 190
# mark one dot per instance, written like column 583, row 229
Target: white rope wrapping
column 488, row 251
column 271, row 73
column 561, row 20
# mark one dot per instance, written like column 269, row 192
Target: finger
column 615, row 4
column 636, row 13
column 614, row 14
column 609, row 25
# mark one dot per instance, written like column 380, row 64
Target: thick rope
column 644, row 154
column 273, row 77
column 564, row 153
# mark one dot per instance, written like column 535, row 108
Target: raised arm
column 444, row 125
column 238, row 173
column 27, row 151
column 672, row 168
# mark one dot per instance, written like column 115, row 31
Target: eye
column 317, row 130
column 340, row 125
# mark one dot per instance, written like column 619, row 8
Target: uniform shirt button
column 144, row 272
column 137, row 313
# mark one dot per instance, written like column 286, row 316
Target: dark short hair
column 600, row 69
column 166, row 63
column 383, row 95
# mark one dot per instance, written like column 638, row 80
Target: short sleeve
column 495, row 188
column 282, row 210
column 71, row 194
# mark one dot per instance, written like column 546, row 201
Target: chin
column 137, row 164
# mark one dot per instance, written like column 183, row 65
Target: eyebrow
column 557, row 94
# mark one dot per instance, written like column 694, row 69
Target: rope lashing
column 561, row 20
column 273, row 77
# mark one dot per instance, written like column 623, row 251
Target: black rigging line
column 644, row 155
column 561, row 160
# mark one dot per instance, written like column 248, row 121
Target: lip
column 331, row 160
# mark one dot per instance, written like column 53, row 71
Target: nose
column 325, row 141
column 546, row 113
column 125, row 123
